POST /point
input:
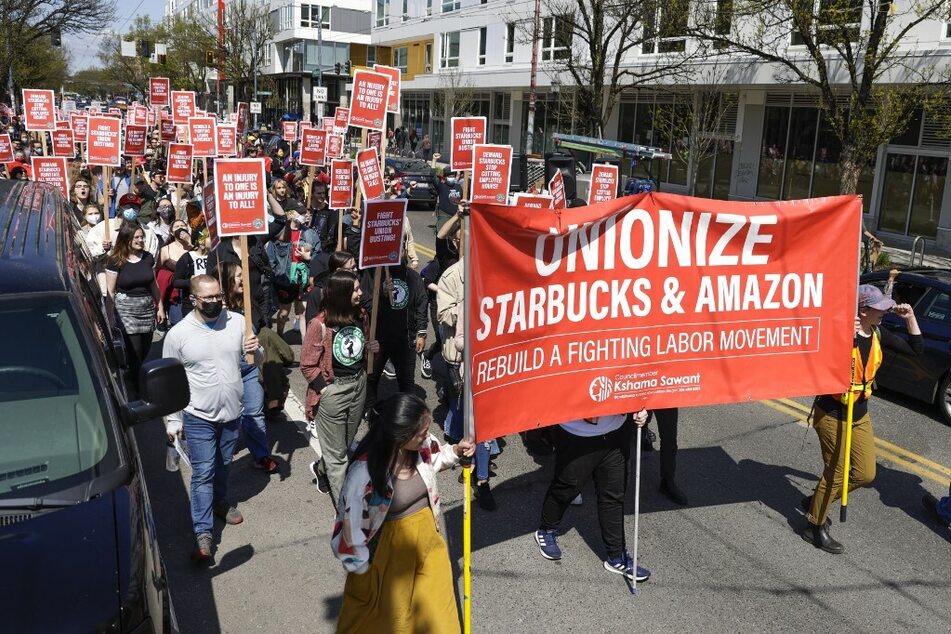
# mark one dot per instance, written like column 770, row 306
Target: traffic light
column 337, row 68
column 210, row 58
column 143, row 48
column 347, row 67
column 56, row 37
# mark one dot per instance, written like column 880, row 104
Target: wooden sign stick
column 373, row 313
column 246, row 295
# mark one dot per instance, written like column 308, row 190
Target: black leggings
column 137, row 348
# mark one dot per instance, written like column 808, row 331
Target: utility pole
column 221, row 55
column 530, row 128
column 320, row 56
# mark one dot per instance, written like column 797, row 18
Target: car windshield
column 55, row 436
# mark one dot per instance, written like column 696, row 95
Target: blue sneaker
column 624, row 565
column 547, row 541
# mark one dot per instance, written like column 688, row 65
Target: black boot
column 819, row 537
column 669, row 488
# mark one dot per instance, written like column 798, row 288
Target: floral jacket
column 361, row 510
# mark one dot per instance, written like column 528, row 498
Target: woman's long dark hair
column 393, row 423
column 335, row 304
column 234, row 299
column 122, row 248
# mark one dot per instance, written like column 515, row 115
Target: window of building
column 428, row 57
column 482, row 46
column 400, row 58
column 371, row 55
column 724, row 19
column 429, row 7
column 405, row 14
column 834, row 21
column 509, row 42
column 309, row 16
column 286, row 18
column 449, row 50
column 556, row 37
column 266, row 55
column 450, row 5
column 947, row 30
column 501, row 113
column 665, row 30
column 382, row 12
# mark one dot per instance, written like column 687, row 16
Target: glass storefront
column 912, row 192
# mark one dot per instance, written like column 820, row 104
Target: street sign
column 264, row 93
column 255, row 107
column 320, row 93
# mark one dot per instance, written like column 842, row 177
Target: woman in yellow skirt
column 387, row 528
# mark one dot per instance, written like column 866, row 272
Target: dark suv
column 78, row 546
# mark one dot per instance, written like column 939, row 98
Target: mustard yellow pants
column 408, row 588
column 831, row 433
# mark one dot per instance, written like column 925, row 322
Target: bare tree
column 247, row 34
column 854, row 54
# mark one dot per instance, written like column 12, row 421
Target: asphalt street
column 731, row 561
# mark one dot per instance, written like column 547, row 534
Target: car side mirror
column 163, row 389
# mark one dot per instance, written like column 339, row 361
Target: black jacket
column 404, row 316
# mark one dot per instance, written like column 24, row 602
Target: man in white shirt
column 209, row 342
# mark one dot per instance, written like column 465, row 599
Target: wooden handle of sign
column 246, row 299
column 310, row 185
column 204, row 173
column 465, row 185
column 106, row 186
column 373, row 312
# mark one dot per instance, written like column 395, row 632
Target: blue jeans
column 455, row 429
column 252, row 421
column 210, row 447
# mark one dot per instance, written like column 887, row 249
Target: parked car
column 926, row 377
column 417, row 175
column 77, row 537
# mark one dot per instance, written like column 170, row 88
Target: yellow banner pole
column 467, row 547
column 469, row 419
column 843, row 512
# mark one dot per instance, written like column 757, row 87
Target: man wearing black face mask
column 209, row 342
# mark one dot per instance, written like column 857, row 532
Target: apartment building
column 773, row 143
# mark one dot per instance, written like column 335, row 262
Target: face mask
column 451, row 180
column 211, row 309
column 130, row 214
column 93, row 219
column 165, row 212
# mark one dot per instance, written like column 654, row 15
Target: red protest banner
column 304, row 125
column 159, row 88
column 533, row 201
column 242, row 117
column 150, row 118
column 179, row 167
column 334, row 146
column 78, row 122
column 39, row 109
column 290, row 131
column 211, row 217
column 375, row 140
column 603, row 187
column 63, row 143
column 137, row 115
column 556, row 187
column 103, row 142
column 52, row 170
column 341, row 184
column 63, row 125
column 381, row 243
column 657, row 300
column 6, row 149
column 491, row 173
column 183, row 106
column 341, row 117
column 202, row 136
column 167, row 127
column 328, row 124
column 368, row 100
column 466, row 133
column 227, row 139
column 371, row 179
column 393, row 98
column 135, row 140
column 313, row 147
column 240, row 196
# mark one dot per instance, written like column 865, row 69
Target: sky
column 83, row 49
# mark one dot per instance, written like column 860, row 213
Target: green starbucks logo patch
column 348, row 345
column 400, row 294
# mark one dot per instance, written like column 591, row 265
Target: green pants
column 831, row 433
column 336, row 422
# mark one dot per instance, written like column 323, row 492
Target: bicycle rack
column 914, row 250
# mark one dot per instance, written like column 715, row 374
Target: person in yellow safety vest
column 830, row 412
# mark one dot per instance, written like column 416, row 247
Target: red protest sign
column 290, row 131
column 227, row 140
column 78, row 122
column 381, row 243
column 242, row 117
column 313, row 147
column 135, row 140
column 63, row 143
column 150, row 118
column 103, row 142
column 211, row 217
column 375, row 140
column 328, row 124
column 167, row 128
column 179, row 168
column 466, row 133
column 240, row 196
column 6, row 149
column 491, row 173
column 39, row 109
column 341, row 117
column 159, row 88
column 533, row 201
column 139, row 115
column 603, row 186
column 334, row 146
column 393, row 99
column 368, row 100
column 556, row 187
column 202, row 136
column 63, row 125
column 341, row 184
column 183, row 106
column 52, row 170
column 657, row 300
column 304, row 125
column 368, row 168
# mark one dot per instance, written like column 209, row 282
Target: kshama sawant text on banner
column 657, row 300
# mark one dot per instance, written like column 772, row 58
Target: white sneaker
column 577, row 500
